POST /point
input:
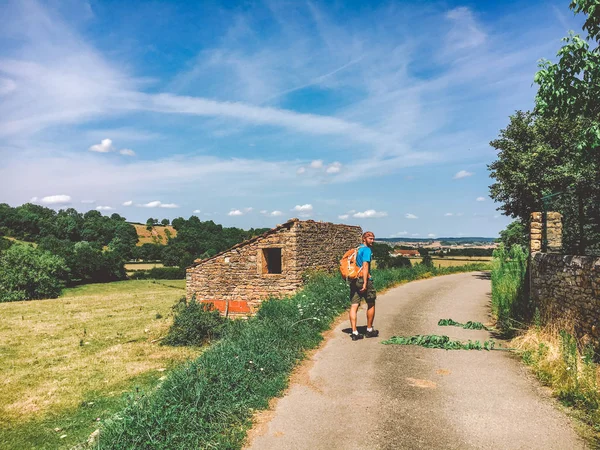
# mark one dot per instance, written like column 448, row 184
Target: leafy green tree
column 570, row 90
column 29, row 273
column 164, row 222
column 427, row 261
column 536, row 157
column 515, row 233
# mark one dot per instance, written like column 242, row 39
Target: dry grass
column 132, row 267
column 157, row 235
column 574, row 378
column 453, row 261
column 95, row 338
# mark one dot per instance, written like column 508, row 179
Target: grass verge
column 209, row 403
column 66, row 362
column 568, row 369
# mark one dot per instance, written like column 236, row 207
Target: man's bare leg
column 370, row 315
column 352, row 314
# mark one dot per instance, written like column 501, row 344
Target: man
column 362, row 288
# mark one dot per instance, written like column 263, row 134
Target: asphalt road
column 365, row 395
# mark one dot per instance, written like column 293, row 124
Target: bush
column 509, row 298
column 28, row 273
column 159, row 273
column 194, row 324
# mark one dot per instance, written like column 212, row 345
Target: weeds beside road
column 552, row 352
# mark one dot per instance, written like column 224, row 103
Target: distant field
column 132, row 267
column 65, row 362
column 33, row 244
column 453, row 261
column 158, row 234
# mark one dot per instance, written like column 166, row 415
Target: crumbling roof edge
column 287, row 224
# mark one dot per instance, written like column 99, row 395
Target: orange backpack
column 348, row 267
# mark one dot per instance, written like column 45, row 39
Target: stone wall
column 321, row 245
column 567, row 288
column 563, row 287
column 240, row 278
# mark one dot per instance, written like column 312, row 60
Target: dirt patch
column 424, row 384
column 156, row 235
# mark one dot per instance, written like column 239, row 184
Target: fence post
column 554, row 232
column 535, row 233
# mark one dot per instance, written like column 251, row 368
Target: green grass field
column 454, row 261
column 66, row 362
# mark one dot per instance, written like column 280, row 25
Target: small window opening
column 272, row 260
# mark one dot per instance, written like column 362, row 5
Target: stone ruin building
column 271, row 265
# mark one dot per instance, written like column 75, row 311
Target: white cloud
column 300, row 170
column 480, row 199
column 399, row 233
column 235, row 212
column 343, row 216
column 462, row 174
column 334, row 167
column 56, row 200
column 431, row 235
column 264, row 211
column 158, row 204
column 465, row 33
column 127, row 152
column 303, row 208
column 448, row 214
column 104, row 146
column 249, row 209
column 316, row 164
column 196, row 211
column 370, row 213
column 415, row 234
column 410, row 216
column 128, row 203
column 104, row 208
column 88, row 202
column 33, row 199
column 276, row 213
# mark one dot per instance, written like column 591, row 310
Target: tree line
column 67, row 247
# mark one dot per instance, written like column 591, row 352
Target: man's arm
column 365, row 274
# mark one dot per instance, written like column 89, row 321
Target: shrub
column 509, row 299
column 28, row 273
column 194, row 324
column 159, row 273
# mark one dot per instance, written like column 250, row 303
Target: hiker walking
column 362, row 288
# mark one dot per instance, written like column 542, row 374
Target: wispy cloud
column 410, row 216
column 235, row 212
column 104, row 208
column 128, row 203
column 104, row 146
column 370, row 213
column 462, row 174
column 127, row 152
column 303, row 208
column 158, row 204
column 480, row 199
column 56, row 200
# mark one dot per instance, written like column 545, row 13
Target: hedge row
column 159, row 273
column 209, row 403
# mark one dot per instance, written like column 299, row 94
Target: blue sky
column 249, row 113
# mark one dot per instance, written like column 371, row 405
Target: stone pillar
column 535, row 233
column 554, row 232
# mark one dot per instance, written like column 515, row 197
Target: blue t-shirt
column 364, row 255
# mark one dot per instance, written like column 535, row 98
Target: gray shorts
column 356, row 296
